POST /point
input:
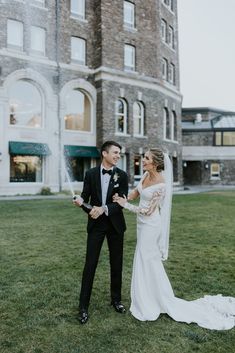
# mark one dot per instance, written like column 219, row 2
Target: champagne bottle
column 84, row 204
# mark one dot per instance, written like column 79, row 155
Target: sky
column 207, row 53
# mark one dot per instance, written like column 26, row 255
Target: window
column 138, row 168
column 121, row 116
column 25, row 105
column 166, row 124
column 129, row 14
column 172, row 74
column 174, row 125
column 25, row 169
column 78, row 50
column 77, row 167
column 78, row 8
column 164, row 69
column 38, row 37
column 78, row 111
column 171, row 37
column 15, row 34
column 163, row 30
column 215, row 171
column 129, row 58
column 175, row 169
column 138, row 119
column 122, row 162
column 225, row 138
column 169, row 3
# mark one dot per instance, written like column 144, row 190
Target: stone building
column 75, row 73
column 208, row 137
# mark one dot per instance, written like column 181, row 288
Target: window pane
column 129, row 60
column 129, row 14
column 78, row 8
column 121, row 116
column 163, row 30
column 77, row 167
column 164, row 69
column 229, row 138
column 215, row 170
column 78, row 50
column 15, row 34
column 138, row 119
column 172, row 74
column 78, row 108
column 171, row 37
column 25, row 169
column 38, row 40
column 218, row 139
column 25, row 105
column 174, row 118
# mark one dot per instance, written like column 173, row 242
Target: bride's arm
column 155, row 202
column 133, row 195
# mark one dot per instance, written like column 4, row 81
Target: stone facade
column 208, row 158
column 103, row 79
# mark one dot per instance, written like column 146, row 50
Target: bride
column 151, row 291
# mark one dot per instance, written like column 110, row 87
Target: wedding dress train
column 151, row 291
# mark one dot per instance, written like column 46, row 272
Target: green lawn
column 42, row 256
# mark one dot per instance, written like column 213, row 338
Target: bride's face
column 148, row 164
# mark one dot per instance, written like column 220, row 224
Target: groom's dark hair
column 107, row 145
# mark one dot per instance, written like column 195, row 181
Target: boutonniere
column 115, row 177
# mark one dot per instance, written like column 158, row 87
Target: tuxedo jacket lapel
column 98, row 184
column 111, row 184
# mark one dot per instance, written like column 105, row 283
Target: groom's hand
column 96, row 212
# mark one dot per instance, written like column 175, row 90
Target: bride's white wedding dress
column 151, row 291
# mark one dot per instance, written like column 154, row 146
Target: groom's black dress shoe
column 119, row 307
column 83, row 316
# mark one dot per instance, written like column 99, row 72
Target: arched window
column 26, row 105
column 78, row 111
column 174, row 125
column 167, row 125
column 138, row 118
column 121, row 116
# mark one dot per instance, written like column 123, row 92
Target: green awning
column 29, row 148
column 81, row 151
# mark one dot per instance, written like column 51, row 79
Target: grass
column 42, row 256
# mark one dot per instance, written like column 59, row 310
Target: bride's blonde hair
column 158, row 158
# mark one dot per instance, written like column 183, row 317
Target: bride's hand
column 121, row 200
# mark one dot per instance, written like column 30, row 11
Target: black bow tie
column 104, row 171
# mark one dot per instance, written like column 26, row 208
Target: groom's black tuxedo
column 112, row 226
column 92, row 193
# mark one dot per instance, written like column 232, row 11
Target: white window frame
column 81, row 60
column 78, row 11
column 138, row 118
column 216, row 174
column 164, row 30
column 15, row 40
column 40, row 32
column 129, row 7
column 129, row 51
column 124, row 115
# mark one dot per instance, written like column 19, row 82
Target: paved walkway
column 179, row 191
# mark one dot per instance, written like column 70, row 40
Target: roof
column 224, row 122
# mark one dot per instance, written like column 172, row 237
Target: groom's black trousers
column 103, row 228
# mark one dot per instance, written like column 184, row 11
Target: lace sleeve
column 156, row 201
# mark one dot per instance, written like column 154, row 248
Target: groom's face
column 112, row 156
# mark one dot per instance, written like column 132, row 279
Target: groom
column 104, row 220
